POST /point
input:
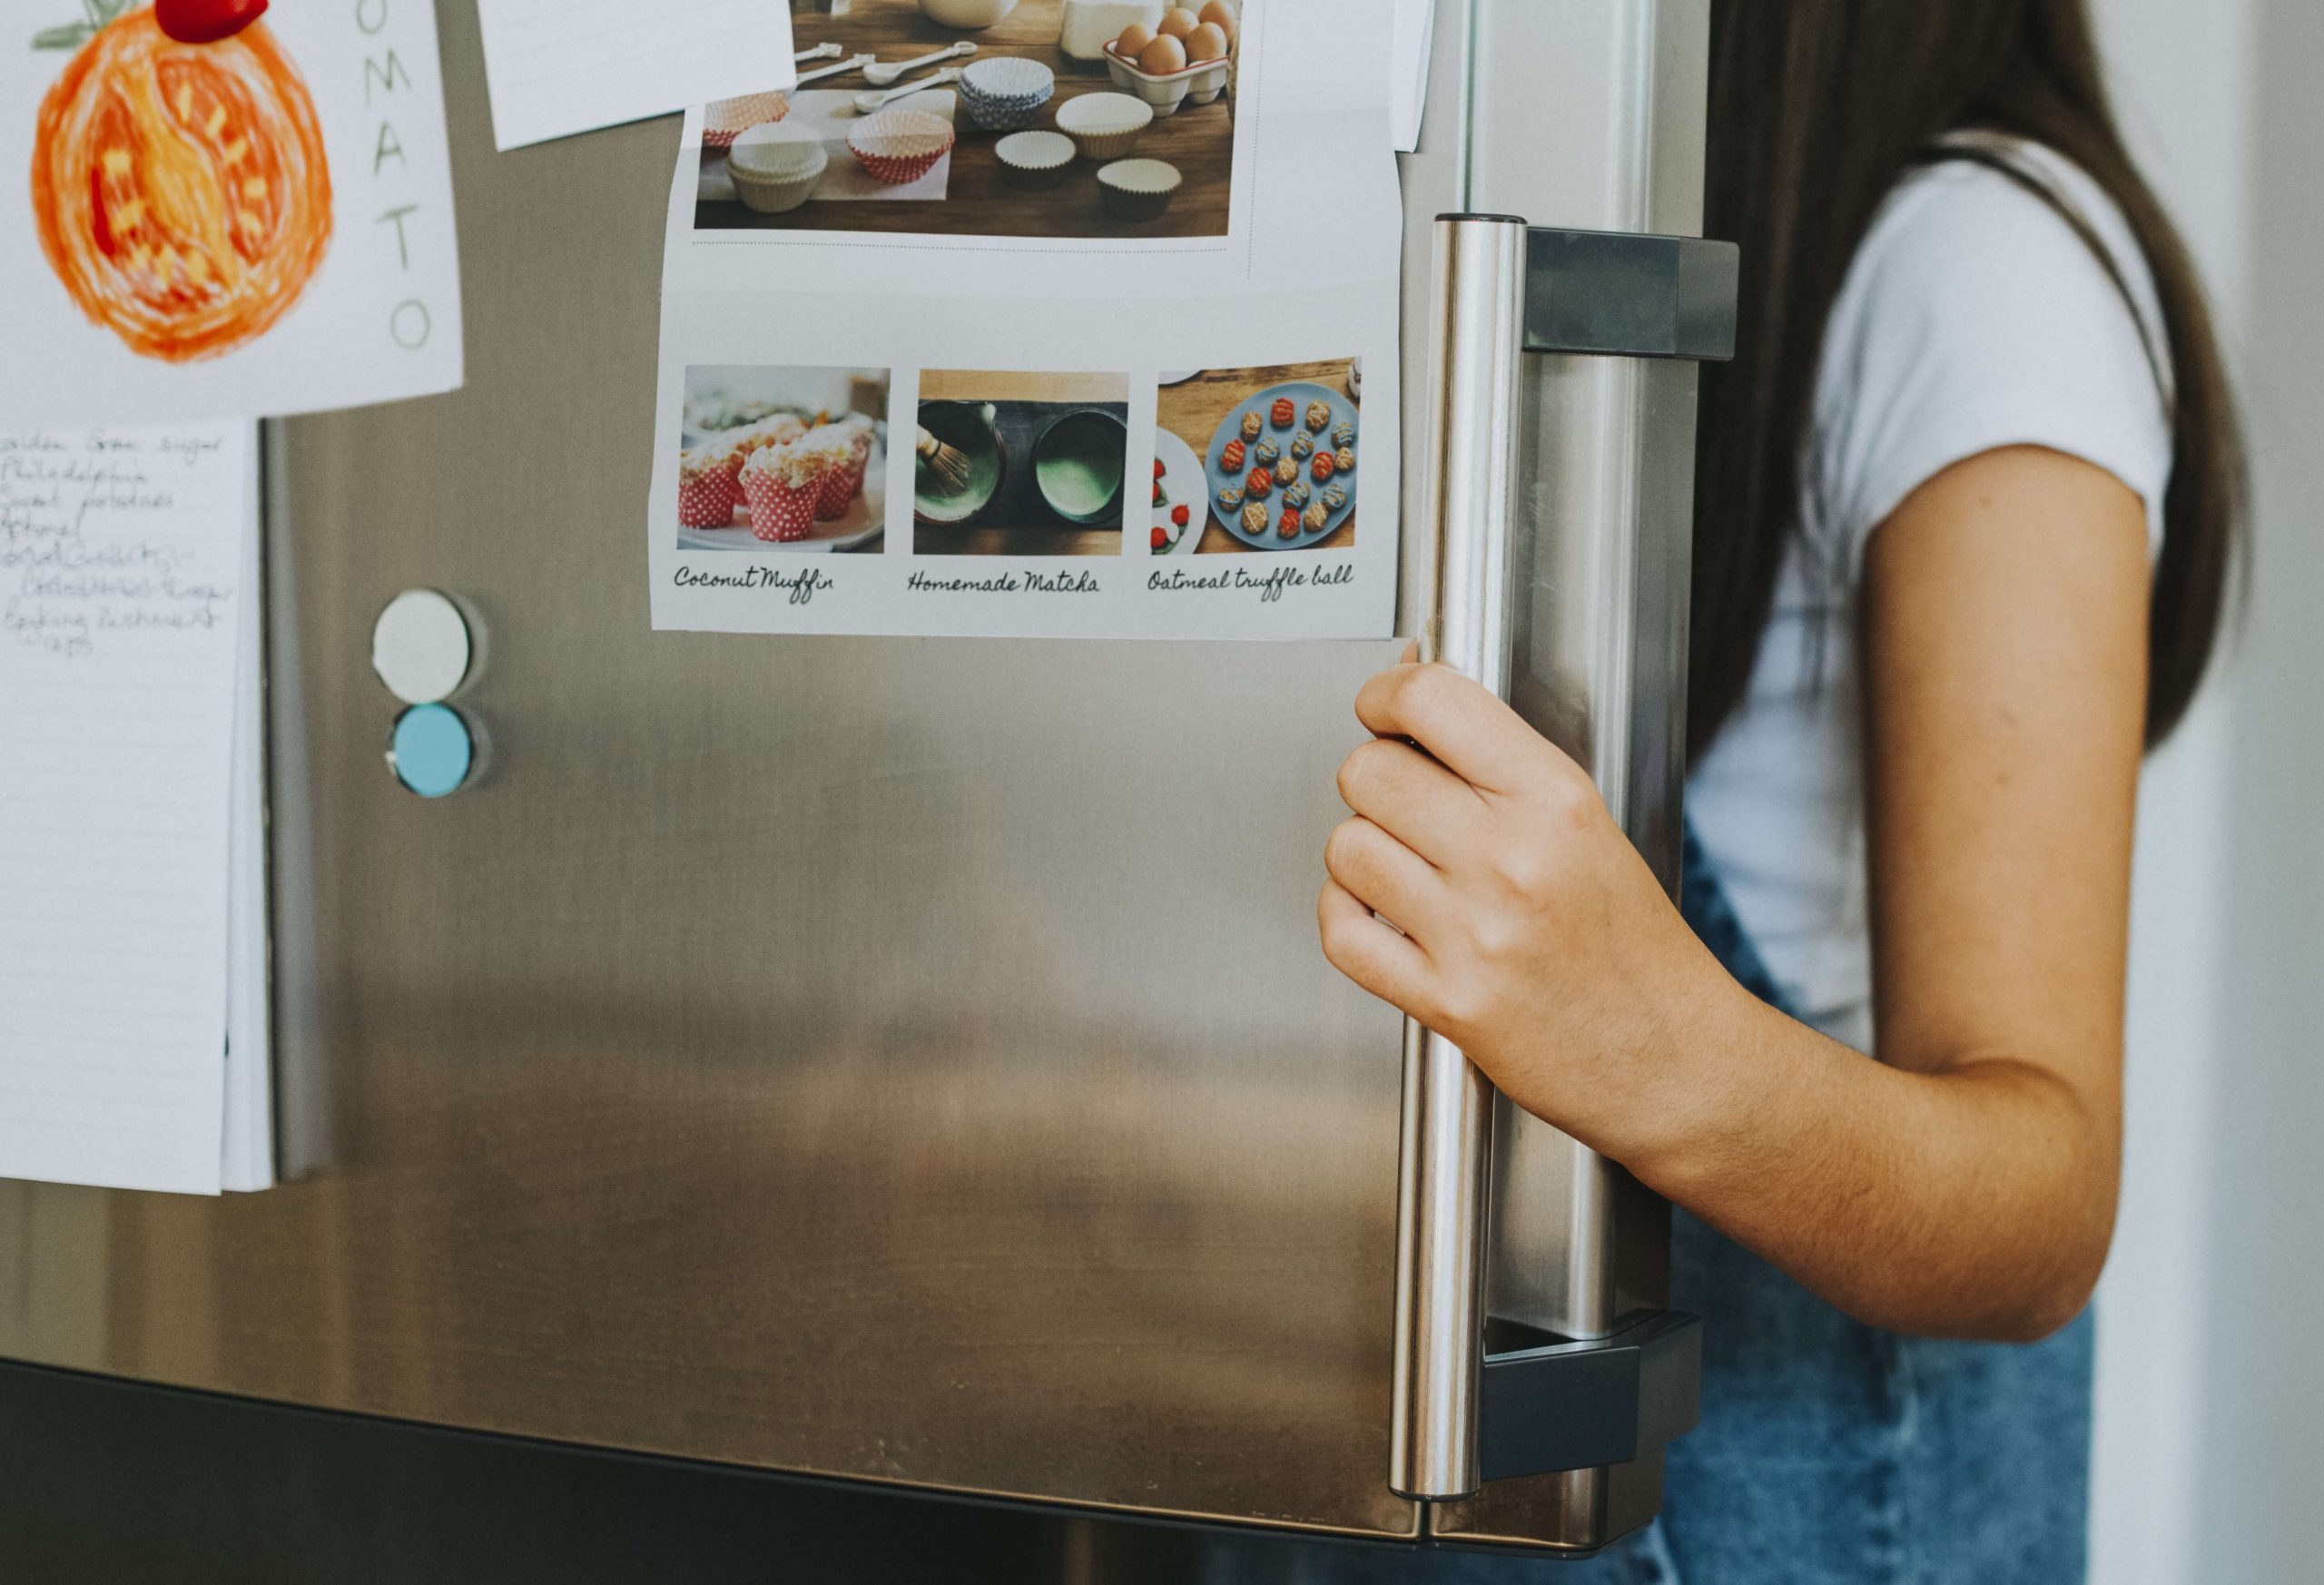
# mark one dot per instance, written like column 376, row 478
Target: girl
column 1966, row 495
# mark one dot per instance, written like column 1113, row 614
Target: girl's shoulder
column 1999, row 298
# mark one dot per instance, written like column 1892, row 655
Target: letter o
column 399, row 322
column 370, row 15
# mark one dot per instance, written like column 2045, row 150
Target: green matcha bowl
column 1077, row 464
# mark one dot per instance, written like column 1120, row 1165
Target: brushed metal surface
column 1605, row 534
column 907, row 1060
column 1444, row 1151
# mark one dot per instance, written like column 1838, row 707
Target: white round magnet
column 420, row 646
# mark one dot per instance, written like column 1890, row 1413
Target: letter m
column 385, row 73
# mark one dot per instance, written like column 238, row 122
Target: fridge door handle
column 1445, row 1150
column 1502, row 288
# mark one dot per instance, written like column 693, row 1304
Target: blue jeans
column 1831, row 1452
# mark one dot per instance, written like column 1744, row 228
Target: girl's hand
column 1528, row 931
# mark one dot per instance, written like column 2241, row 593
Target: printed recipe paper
column 1063, row 347
column 258, row 224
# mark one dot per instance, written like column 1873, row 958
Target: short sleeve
column 1976, row 316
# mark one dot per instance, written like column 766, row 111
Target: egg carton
column 1168, row 90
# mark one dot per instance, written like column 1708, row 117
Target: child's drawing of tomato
column 181, row 190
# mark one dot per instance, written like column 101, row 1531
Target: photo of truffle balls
column 783, row 458
column 986, row 118
column 1271, row 441
column 1008, row 463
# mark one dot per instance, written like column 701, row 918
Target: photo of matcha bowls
column 1009, row 463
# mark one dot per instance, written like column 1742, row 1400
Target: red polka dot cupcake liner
column 838, row 491
column 728, row 119
column 709, row 500
column 780, row 513
column 900, row 145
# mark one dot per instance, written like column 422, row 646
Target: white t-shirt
column 1973, row 317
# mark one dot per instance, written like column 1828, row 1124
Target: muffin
column 782, row 483
column 708, row 492
column 844, row 447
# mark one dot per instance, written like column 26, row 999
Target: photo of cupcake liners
column 723, row 119
column 898, row 147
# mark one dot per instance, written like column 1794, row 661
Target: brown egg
column 1133, row 41
column 1220, row 14
column 1163, row 56
column 1206, row 42
column 1177, row 22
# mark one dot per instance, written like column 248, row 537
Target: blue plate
column 1301, row 392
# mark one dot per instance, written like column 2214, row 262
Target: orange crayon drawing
column 181, row 190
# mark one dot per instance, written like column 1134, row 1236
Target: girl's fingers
column 1413, row 799
column 1376, row 958
column 1385, row 876
column 1479, row 739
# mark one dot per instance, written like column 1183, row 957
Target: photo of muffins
column 797, row 456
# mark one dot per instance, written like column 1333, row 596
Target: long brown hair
column 1816, row 108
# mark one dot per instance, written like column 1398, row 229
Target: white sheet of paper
column 1412, row 45
column 169, row 278
column 557, row 67
column 247, row 1152
column 121, row 561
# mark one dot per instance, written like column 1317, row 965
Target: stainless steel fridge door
column 908, row 1061
column 897, row 1060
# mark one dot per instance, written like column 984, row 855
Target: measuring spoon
column 879, row 74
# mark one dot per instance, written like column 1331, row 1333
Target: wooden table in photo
column 1193, row 410
column 1199, row 140
column 960, row 385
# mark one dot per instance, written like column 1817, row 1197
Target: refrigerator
column 907, row 1064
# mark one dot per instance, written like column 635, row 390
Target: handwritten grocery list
column 123, row 564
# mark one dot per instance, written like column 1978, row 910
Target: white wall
column 2210, row 1406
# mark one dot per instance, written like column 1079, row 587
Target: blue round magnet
column 431, row 750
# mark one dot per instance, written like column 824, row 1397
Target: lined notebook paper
column 556, row 67
column 124, row 558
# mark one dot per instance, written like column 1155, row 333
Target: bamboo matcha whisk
column 949, row 464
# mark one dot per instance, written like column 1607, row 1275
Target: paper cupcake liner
column 780, row 513
column 709, row 501
column 838, row 491
column 774, row 195
column 897, row 146
column 728, row 119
